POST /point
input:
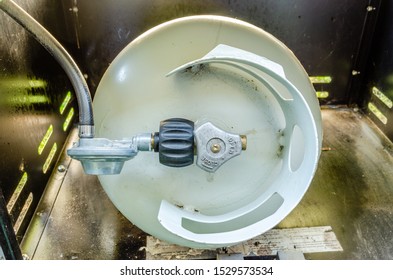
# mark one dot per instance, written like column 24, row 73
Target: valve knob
column 175, row 142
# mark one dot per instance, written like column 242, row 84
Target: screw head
column 215, row 148
column 370, row 8
column 61, row 168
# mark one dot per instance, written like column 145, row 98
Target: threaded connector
column 175, row 142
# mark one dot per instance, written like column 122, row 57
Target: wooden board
column 305, row 240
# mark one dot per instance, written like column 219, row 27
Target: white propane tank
column 245, row 81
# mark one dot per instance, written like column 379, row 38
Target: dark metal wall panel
column 323, row 34
column 379, row 84
column 32, row 89
column 9, row 247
